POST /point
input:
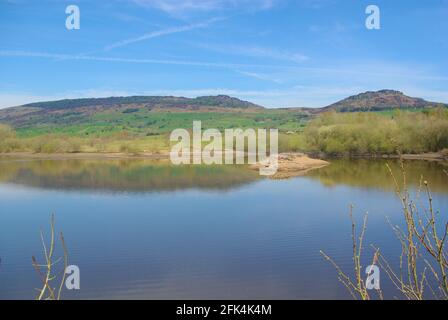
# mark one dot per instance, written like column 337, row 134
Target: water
column 146, row 230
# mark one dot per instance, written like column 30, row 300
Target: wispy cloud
column 365, row 70
column 259, row 76
column 351, row 76
column 162, row 32
column 336, row 27
column 81, row 57
column 257, row 52
column 289, row 97
column 296, row 96
column 11, row 99
column 317, row 4
column 176, row 7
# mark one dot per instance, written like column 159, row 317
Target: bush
column 128, row 147
column 8, row 140
column 372, row 133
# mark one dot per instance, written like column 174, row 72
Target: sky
column 277, row 53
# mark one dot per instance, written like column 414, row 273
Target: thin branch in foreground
column 45, row 271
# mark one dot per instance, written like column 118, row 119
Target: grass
column 135, row 138
column 63, row 143
column 46, row 272
column 138, row 131
column 144, row 122
column 348, row 134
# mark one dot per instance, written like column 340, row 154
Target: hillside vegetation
column 142, row 122
column 64, row 143
column 149, row 102
column 380, row 100
column 144, row 116
column 372, row 133
column 384, row 121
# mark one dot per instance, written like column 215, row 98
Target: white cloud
column 21, row 98
column 81, row 57
column 366, row 70
column 433, row 95
column 317, row 4
column 271, row 53
column 336, row 27
column 176, row 7
column 298, row 96
column 269, row 98
column 259, row 76
column 320, row 85
column 16, row 99
column 257, row 52
column 160, row 33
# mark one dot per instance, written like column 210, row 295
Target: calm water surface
column 146, row 230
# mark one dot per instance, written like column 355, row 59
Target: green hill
column 153, row 115
column 143, row 115
column 379, row 101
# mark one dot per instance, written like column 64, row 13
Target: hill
column 151, row 102
column 378, row 101
column 149, row 115
column 144, row 115
column 42, row 112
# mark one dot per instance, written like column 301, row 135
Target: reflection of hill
column 122, row 175
column 374, row 174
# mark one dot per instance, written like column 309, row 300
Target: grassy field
column 145, row 123
column 143, row 131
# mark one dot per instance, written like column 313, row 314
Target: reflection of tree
column 150, row 175
column 374, row 174
column 122, row 175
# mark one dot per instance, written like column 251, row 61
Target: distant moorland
column 368, row 123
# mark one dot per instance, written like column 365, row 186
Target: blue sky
column 278, row 53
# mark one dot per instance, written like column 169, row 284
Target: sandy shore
column 294, row 165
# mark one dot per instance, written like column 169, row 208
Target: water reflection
column 127, row 175
column 140, row 175
column 258, row 240
column 374, row 174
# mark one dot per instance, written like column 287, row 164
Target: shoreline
column 283, row 156
column 85, row 155
column 290, row 164
column 435, row 156
column 430, row 156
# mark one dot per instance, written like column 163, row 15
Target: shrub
column 360, row 133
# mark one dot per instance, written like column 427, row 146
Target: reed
column 356, row 287
column 423, row 263
column 46, row 271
